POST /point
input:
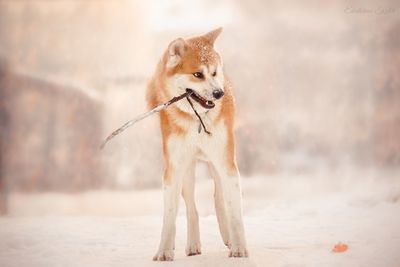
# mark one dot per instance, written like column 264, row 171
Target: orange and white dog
column 193, row 63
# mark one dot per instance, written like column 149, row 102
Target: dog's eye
column 198, row 75
column 214, row 73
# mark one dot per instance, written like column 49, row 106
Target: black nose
column 218, row 93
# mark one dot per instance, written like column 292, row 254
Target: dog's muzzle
column 208, row 104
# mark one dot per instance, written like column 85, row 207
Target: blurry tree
column 386, row 142
column 51, row 136
column 4, row 131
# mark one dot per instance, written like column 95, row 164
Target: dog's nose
column 218, row 93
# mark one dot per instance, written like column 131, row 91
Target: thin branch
column 198, row 116
column 189, row 93
column 145, row 115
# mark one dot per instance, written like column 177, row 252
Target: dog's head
column 194, row 64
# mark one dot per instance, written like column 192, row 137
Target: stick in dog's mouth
column 208, row 104
column 189, row 93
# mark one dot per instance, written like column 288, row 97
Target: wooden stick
column 187, row 94
column 198, row 116
column 145, row 115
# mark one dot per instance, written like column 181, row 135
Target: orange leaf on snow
column 340, row 247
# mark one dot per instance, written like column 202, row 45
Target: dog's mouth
column 208, row 104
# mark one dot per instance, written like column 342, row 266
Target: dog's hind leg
column 230, row 184
column 193, row 246
column 223, row 160
column 220, row 206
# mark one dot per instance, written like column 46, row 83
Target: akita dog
column 194, row 64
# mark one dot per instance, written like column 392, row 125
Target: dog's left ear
column 176, row 49
column 212, row 35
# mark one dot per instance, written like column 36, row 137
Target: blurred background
column 317, row 88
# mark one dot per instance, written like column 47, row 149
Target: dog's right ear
column 176, row 49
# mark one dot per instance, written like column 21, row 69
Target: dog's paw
column 164, row 255
column 238, row 251
column 193, row 249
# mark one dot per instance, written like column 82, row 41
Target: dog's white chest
column 205, row 144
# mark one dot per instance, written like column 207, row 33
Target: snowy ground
column 290, row 221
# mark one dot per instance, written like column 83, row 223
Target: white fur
column 184, row 151
column 193, row 246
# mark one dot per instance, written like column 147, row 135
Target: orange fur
column 227, row 113
column 193, row 58
column 198, row 51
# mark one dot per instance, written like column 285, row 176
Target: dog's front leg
column 172, row 191
column 193, row 246
column 178, row 160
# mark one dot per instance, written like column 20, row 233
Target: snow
column 290, row 221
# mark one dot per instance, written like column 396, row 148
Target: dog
column 194, row 64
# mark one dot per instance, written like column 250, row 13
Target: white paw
column 193, row 249
column 238, row 251
column 164, row 255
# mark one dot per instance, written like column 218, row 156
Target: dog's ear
column 176, row 50
column 212, row 35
